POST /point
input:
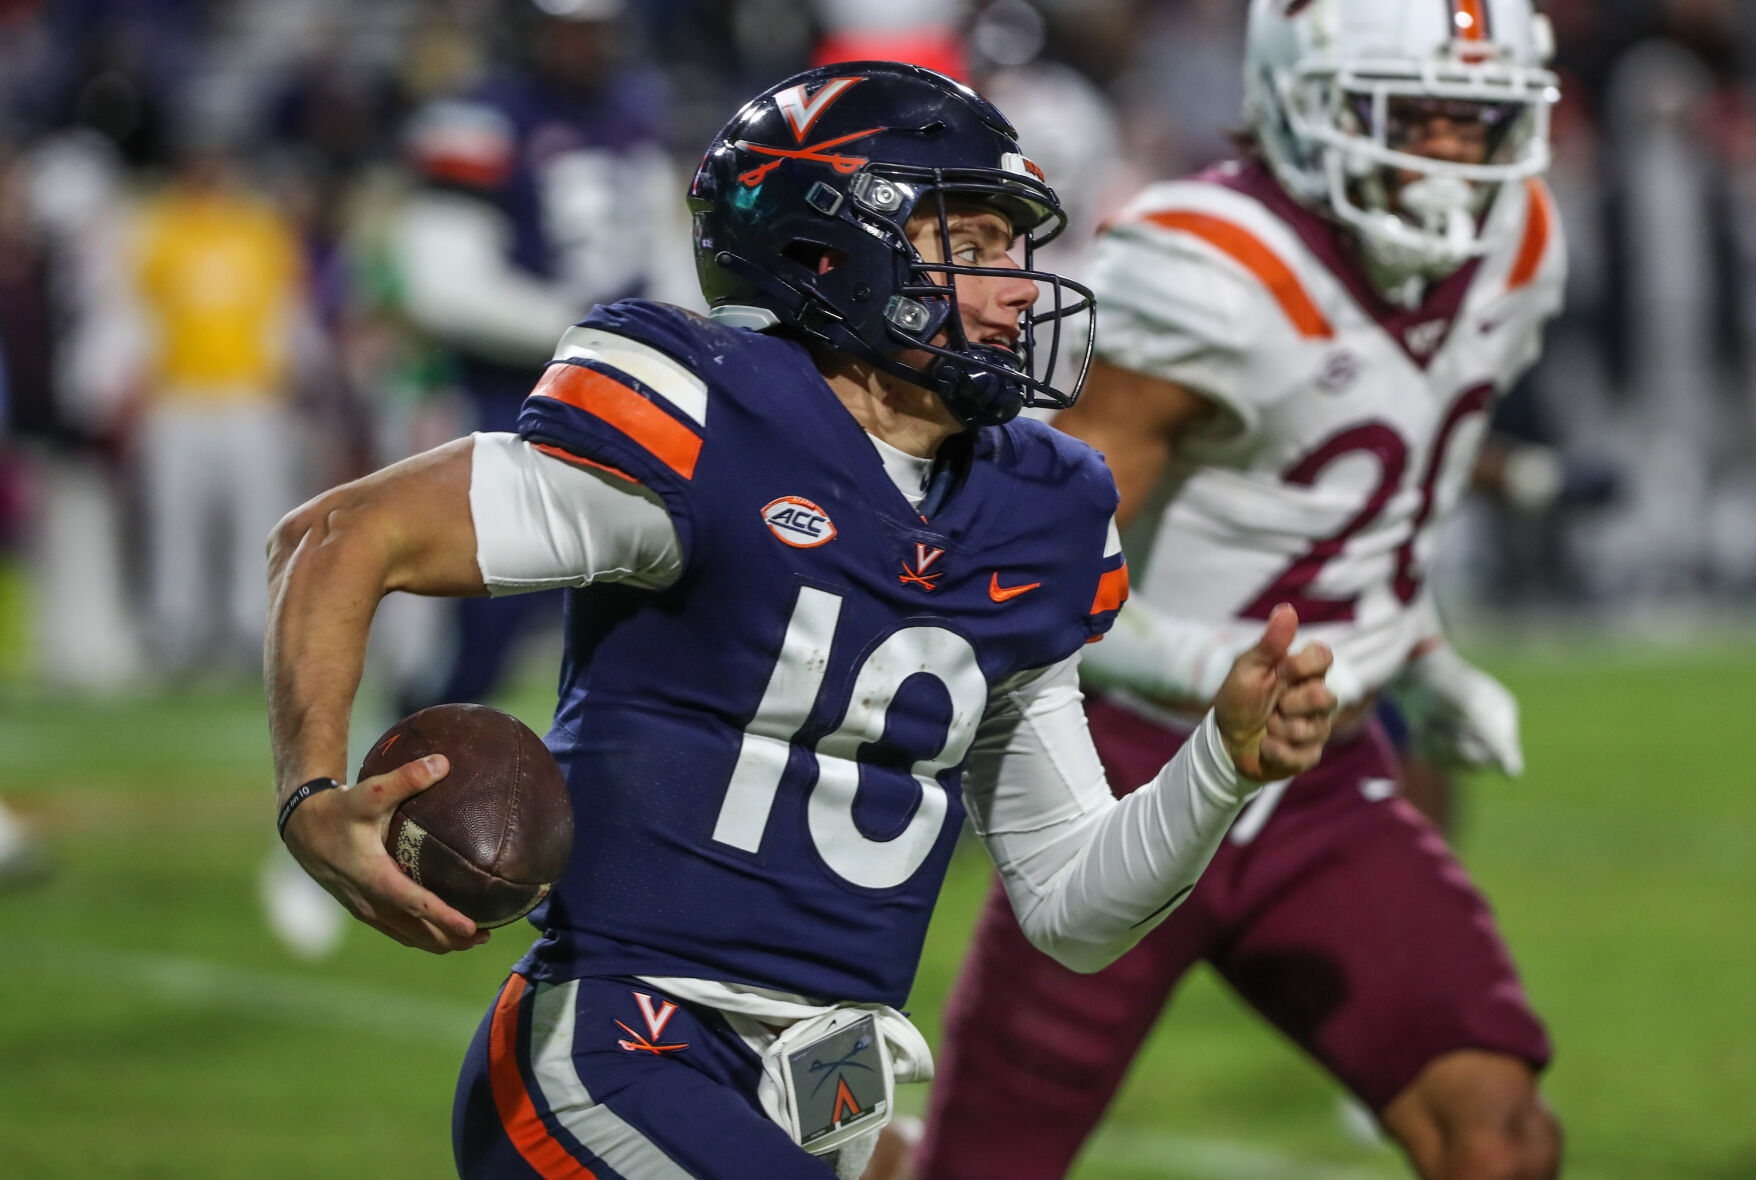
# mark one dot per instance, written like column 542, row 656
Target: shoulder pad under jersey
column 1200, row 285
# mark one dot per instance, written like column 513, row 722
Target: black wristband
column 304, row 792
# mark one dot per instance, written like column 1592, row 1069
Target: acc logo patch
column 798, row 522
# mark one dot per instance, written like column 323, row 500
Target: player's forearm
column 326, row 577
column 407, row 527
column 1087, row 875
column 1127, row 867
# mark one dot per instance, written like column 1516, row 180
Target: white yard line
column 266, row 995
column 305, row 1002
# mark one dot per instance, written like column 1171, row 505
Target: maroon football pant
column 1345, row 921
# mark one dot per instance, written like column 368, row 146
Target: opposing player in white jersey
column 1299, row 354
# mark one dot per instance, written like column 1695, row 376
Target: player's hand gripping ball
column 495, row 833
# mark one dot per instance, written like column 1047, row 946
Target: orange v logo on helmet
column 842, row 164
column 802, row 109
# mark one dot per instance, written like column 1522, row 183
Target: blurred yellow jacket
column 218, row 275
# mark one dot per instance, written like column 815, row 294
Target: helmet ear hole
column 814, row 256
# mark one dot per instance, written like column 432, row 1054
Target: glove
column 1459, row 712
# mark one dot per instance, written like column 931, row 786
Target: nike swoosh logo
column 1001, row 593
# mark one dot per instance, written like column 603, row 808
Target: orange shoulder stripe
column 1248, row 251
column 668, row 440
column 541, row 1150
column 1112, row 590
column 1536, row 235
column 582, row 461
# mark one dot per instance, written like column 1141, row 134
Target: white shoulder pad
column 1531, row 269
column 1550, row 278
column 1182, row 294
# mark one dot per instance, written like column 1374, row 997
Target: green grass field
column 150, row 1027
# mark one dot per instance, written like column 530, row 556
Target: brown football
column 494, row 833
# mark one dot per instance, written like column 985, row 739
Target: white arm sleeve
column 451, row 250
column 1160, row 655
column 542, row 522
column 1171, row 657
column 1089, row 875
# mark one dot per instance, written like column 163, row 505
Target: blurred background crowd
column 250, row 248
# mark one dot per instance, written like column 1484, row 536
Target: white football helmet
column 1326, row 83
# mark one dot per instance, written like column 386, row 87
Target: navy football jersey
column 766, row 757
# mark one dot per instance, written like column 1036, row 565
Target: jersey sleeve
column 623, row 392
column 1084, row 532
column 1089, row 875
column 1112, row 586
column 1175, row 306
column 543, row 523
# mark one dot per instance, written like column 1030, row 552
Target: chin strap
column 1434, row 233
column 977, row 395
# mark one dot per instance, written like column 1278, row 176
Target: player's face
column 1455, row 132
column 992, row 306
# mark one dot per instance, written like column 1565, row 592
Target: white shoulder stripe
column 1113, row 542
column 642, row 362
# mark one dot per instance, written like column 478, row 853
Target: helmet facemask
column 981, row 383
column 1417, row 217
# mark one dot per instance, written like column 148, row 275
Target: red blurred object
column 937, row 47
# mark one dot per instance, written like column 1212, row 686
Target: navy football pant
column 585, row 1080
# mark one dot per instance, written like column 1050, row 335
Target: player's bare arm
column 330, row 561
column 1134, row 420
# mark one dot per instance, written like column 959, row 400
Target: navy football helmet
column 830, row 165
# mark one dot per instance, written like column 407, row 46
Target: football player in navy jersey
column 837, row 593
column 542, row 192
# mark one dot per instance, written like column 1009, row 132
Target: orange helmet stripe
column 1470, row 19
